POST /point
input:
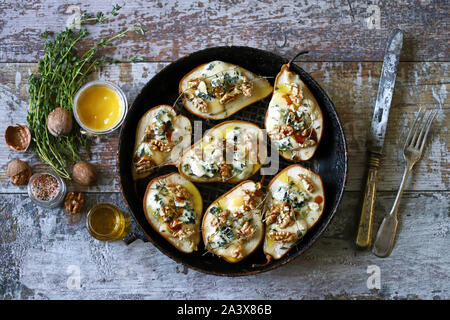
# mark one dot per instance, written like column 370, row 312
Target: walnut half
column 74, row 202
column 296, row 95
column 272, row 214
column 246, row 230
column 225, row 171
column 280, row 131
column 198, row 102
column 179, row 191
column 283, row 236
column 182, row 233
column 307, row 182
column 160, row 145
column 144, row 164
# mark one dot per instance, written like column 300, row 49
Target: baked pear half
column 230, row 152
column 294, row 120
column 161, row 136
column 173, row 206
column 232, row 226
column 218, row 89
column 294, row 204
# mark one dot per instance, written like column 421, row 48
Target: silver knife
column 375, row 139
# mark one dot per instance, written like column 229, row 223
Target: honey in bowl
column 99, row 107
column 107, row 223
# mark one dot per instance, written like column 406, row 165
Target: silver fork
column 412, row 152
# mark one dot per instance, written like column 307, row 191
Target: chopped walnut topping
column 246, row 87
column 272, row 214
column 252, row 198
column 166, row 213
column 160, row 145
column 182, row 233
column 175, row 224
column 225, row 171
column 149, row 131
column 144, row 164
column 283, row 236
column 296, row 95
column 280, row 131
column 198, row 102
column 246, row 230
column 193, row 83
column 286, row 217
column 308, row 143
column 218, row 92
column 236, row 253
column 307, row 182
column 283, row 214
column 220, row 218
column 179, row 191
column 230, row 96
column 152, row 130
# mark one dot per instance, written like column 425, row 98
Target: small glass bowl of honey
column 106, row 222
column 100, row 107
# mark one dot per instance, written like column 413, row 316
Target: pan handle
column 130, row 238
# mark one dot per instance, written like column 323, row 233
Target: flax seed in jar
column 46, row 189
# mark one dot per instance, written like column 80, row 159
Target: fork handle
column 364, row 236
column 384, row 242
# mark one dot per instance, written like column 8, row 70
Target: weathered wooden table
column 42, row 256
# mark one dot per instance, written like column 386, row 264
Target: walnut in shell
column 59, row 122
column 19, row 171
column 84, row 173
column 18, row 138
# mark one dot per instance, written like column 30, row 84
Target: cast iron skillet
column 330, row 160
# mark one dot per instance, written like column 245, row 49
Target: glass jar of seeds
column 46, row 189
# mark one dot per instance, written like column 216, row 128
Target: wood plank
column 37, row 247
column 335, row 30
column 351, row 85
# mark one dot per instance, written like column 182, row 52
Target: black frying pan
column 329, row 161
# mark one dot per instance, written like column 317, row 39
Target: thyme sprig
column 60, row 73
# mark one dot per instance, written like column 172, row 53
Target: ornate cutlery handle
column 384, row 242
column 364, row 237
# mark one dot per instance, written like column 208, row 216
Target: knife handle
column 364, row 237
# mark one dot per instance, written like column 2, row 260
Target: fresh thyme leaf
column 139, row 30
column 115, row 10
column 100, row 17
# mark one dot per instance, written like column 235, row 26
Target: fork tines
column 420, row 128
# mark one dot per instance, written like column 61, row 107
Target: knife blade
column 385, row 90
column 377, row 131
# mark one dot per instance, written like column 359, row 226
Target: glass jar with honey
column 100, row 107
column 106, row 222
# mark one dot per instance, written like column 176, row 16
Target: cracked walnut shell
column 18, row 138
column 74, row 202
column 19, row 171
